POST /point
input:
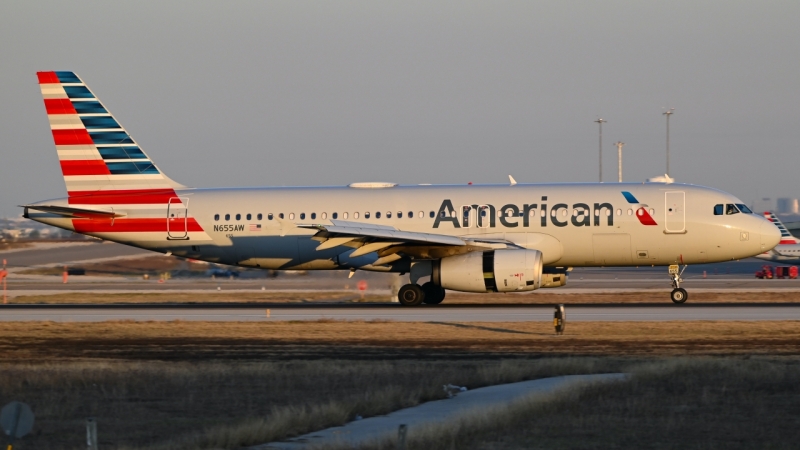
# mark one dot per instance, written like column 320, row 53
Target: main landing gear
column 414, row 294
column 678, row 295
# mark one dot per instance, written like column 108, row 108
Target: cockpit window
column 744, row 208
column 718, row 210
column 731, row 209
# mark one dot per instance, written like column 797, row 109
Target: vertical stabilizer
column 786, row 237
column 100, row 161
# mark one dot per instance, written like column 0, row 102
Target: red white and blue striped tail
column 786, row 237
column 101, row 162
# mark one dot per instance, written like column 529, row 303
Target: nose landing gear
column 678, row 295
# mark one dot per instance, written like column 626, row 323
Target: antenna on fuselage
column 511, row 180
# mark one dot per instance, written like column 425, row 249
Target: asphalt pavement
column 395, row 312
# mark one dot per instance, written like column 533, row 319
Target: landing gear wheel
column 410, row 295
column 434, row 294
column 679, row 295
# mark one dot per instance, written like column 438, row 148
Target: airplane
column 471, row 238
column 788, row 249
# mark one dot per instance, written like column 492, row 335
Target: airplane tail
column 100, row 161
column 786, row 237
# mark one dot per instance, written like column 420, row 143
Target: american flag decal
column 255, row 227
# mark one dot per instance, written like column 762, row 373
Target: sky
column 265, row 93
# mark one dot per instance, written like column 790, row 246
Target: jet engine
column 492, row 271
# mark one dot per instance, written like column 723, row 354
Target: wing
column 392, row 244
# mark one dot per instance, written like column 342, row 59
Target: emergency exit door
column 675, row 212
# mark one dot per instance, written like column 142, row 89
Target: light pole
column 668, row 113
column 619, row 145
column 601, row 122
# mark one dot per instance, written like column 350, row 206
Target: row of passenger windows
column 420, row 214
column 731, row 208
column 313, row 216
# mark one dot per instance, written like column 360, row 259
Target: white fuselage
column 576, row 224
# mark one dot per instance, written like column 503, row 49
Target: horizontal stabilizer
column 66, row 211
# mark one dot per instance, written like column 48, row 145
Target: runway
column 390, row 312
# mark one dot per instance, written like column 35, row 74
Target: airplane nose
column 770, row 235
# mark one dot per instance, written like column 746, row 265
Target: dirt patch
column 358, row 340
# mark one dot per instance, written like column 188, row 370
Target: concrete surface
column 395, row 312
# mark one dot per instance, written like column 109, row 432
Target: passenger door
column 177, row 216
column 675, row 212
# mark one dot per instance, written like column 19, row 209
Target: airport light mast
column 601, row 122
column 619, row 145
column 668, row 113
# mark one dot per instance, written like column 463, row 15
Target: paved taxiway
column 442, row 313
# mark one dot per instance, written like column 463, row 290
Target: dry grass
column 151, row 265
column 676, row 403
column 223, row 405
column 180, row 340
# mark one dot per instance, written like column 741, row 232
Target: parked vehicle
column 765, row 273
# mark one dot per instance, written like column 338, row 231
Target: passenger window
column 216, row 217
column 399, row 214
column 744, row 208
column 302, row 216
column 269, row 216
column 238, row 217
column 260, row 216
column 355, row 215
column 366, row 215
column 324, row 215
column 717, row 210
column 291, row 216
column 335, row 215
column 389, row 215
column 249, row 216
column 433, row 214
column 630, row 212
column 731, row 209
column 411, row 214
column 378, row 215
column 652, row 211
column 313, row 216
column 280, row 215
column 619, row 212
column 421, row 214
column 227, row 217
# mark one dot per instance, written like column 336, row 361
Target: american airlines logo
column 513, row 216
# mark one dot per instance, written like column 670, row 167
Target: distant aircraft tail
column 786, row 237
column 100, row 161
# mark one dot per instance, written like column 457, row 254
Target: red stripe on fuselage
column 124, row 225
column 47, row 77
column 59, row 106
column 122, row 197
column 72, row 137
column 84, row 167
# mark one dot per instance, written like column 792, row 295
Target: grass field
column 682, row 403
column 189, row 385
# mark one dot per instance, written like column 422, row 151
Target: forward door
column 675, row 212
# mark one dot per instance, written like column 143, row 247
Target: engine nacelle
column 492, row 271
